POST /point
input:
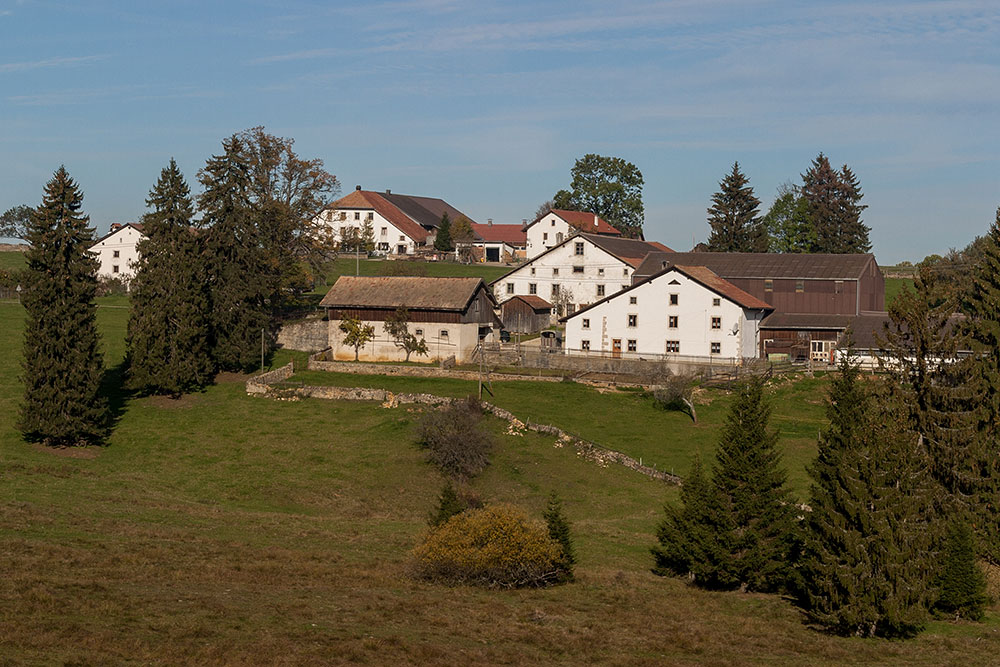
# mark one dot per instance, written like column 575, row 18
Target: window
column 555, row 272
column 585, row 345
column 631, row 346
column 633, row 320
column 625, row 272
column 600, row 272
column 673, row 346
column 768, row 285
column 418, row 333
column 114, row 269
column 673, row 300
column 383, row 246
column 444, row 333
column 600, row 291
column 716, row 348
column 716, row 322
column 357, row 215
column 586, row 323
column 117, row 254
column 329, row 216
column 555, row 290
column 579, row 247
column 716, row 301
column 343, row 215
column 559, row 237
column 552, row 222
column 510, row 288
column 369, row 216
column 545, row 236
column 838, row 286
column 532, row 288
column 800, row 286
column 532, row 270
column 385, row 231
column 624, row 287
column 402, row 238
column 577, row 269
column 632, row 300
column 672, row 321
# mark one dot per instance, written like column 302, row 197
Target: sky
column 488, row 104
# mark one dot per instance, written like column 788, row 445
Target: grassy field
column 894, row 286
column 11, row 260
column 224, row 529
column 347, row 266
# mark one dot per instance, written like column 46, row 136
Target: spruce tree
column 834, row 208
column 868, row 545
column 734, row 216
column 559, row 531
column 63, row 364
column 449, row 504
column 442, row 241
column 961, row 583
column 687, row 536
column 168, row 342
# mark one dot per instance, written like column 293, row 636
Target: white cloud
column 49, row 62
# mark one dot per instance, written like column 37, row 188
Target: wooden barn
column 527, row 313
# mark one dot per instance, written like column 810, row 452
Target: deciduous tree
column 734, row 216
column 787, row 222
column 608, row 186
column 356, row 333
column 14, row 222
column 63, row 364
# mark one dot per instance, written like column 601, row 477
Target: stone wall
column 316, row 363
column 578, row 363
column 307, row 336
column 261, row 384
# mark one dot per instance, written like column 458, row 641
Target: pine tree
column 244, row 281
column 442, row 241
column 868, row 544
column 734, row 216
column 559, row 531
column 834, row 208
column 63, row 364
column 962, row 584
column 168, row 342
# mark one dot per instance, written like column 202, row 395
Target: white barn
column 684, row 311
column 117, row 251
column 583, row 268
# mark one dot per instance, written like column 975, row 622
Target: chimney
column 388, row 191
column 115, row 226
column 595, row 221
column 489, row 221
column 358, row 188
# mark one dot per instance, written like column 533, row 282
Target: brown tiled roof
column 764, row 265
column 365, row 199
column 533, row 300
column 510, row 234
column 582, row 220
column 425, row 211
column 412, row 293
column 632, row 251
column 706, row 277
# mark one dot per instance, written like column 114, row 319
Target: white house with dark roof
column 682, row 311
column 117, row 251
column 583, row 268
column 554, row 227
column 401, row 223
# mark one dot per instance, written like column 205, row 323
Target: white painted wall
column 600, row 268
column 388, row 238
column 461, row 340
column 118, row 255
column 694, row 311
column 546, row 233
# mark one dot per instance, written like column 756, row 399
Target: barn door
column 616, row 348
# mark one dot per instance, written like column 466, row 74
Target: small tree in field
column 559, row 532
column 397, row 328
column 356, row 334
column 961, row 583
column 456, row 440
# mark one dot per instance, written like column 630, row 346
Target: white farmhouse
column 580, row 270
column 401, row 223
column 552, row 228
column 683, row 311
column 118, row 252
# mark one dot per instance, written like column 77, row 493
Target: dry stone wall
column 307, row 336
column 316, row 363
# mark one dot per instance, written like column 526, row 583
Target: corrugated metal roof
column 413, row 293
column 426, row 211
column 706, row 277
column 764, row 265
column 632, row 251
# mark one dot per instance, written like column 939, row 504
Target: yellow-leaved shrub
column 496, row 546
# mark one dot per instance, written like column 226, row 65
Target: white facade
column 389, row 239
column 118, row 253
column 545, row 233
column 444, row 339
column 587, row 271
column 671, row 314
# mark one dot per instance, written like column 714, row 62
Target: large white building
column 401, row 223
column 578, row 271
column 554, row 227
column 683, row 311
column 117, row 251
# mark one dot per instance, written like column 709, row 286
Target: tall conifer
column 735, row 216
column 168, row 344
column 834, row 208
column 63, row 364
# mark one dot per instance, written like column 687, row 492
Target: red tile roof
column 711, row 280
column 366, row 199
column 510, row 234
column 586, row 222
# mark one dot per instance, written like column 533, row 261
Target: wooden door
column 616, row 348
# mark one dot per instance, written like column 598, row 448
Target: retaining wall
column 307, row 336
column 260, row 384
column 317, row 364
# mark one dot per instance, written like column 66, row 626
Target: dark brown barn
column 527, row 313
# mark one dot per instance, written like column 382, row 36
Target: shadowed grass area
column 220, row 528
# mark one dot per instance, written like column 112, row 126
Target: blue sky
column 487, row 105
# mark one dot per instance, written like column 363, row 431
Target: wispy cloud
column 49, row 62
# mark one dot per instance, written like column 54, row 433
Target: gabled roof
column 510, row 234
column 137, row 226
column 412, row 293
column 632, row 251
column 698, row 274
column 533, row 300
column 365, row 199
column 425, row 211
column 585, row 221
column 765, row 265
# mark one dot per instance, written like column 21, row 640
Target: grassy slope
column 222, row 528
column 347, row 266
column 11, row 260
column 894, row 286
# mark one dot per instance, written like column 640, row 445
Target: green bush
column 497, row 546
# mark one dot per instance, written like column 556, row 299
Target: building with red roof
column 552, row 228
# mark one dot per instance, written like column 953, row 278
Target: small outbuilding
column 527, row 313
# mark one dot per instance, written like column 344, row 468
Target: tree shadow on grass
column 115, row 392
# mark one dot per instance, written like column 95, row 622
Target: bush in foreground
column 497, row 546
column 456, row 439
